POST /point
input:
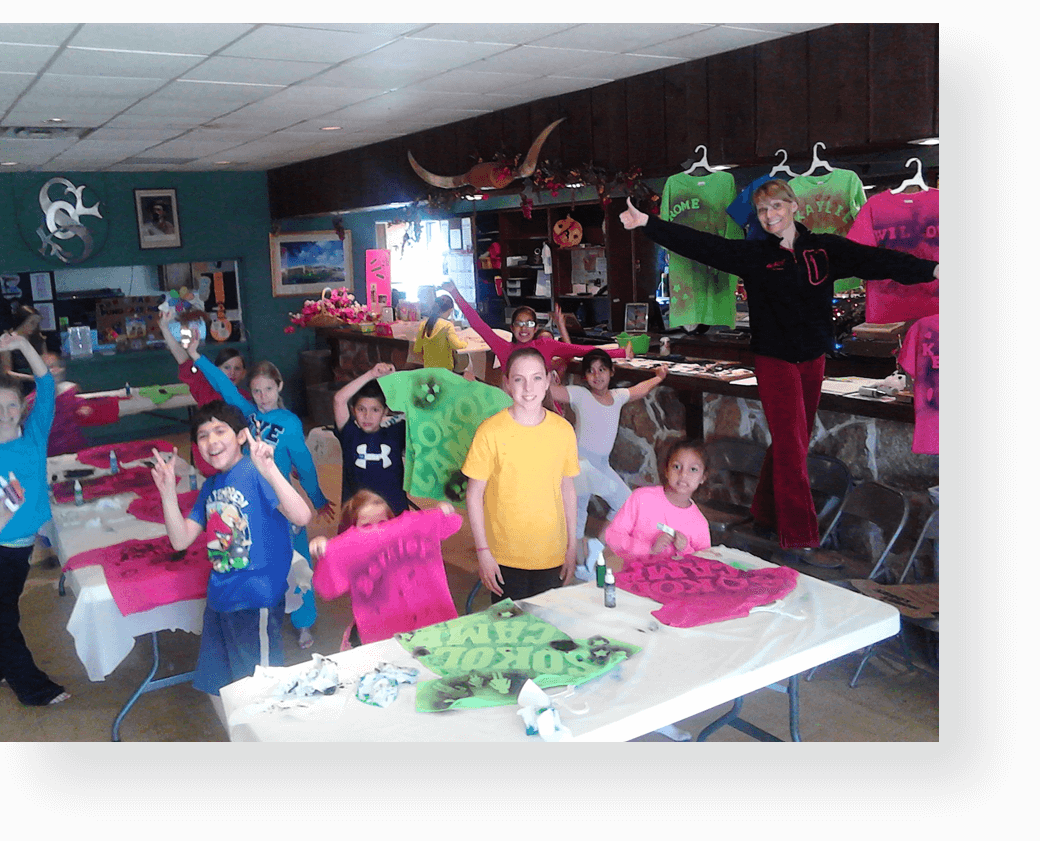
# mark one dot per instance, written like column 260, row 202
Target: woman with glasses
column 525, row 328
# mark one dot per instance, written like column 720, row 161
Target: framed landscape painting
column 305, row 263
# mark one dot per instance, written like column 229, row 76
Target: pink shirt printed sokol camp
column 907, row 222
column 919, row 357
column 697, row 591
column 394, row 572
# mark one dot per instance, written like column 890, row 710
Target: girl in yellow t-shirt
column 520, row 497
column 436, row 342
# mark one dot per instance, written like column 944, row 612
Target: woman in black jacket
column 789, row 279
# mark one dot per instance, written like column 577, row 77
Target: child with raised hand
column 597, row 411
column 520, row 496
column 246, row 510
column 284, row 431
column 436, row 342
column 371, row 438
column 663, row 521
column 392, row 564
column 228, row 359
column 24, row 508
column 524, row 326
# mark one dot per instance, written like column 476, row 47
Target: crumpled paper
column 539, row 714
column 379, row 688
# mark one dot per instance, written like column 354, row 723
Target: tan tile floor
column 889, row 704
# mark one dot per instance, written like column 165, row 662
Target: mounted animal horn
column 488, row 176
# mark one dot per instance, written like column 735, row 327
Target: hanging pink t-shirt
column 394, row 572
column 919, row 357
column 143, row 574
column 902, row 222
column 697, row 591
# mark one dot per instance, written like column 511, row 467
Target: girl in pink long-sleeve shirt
column 663, row 521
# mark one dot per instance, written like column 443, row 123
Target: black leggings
column 17, row 667
column 524, row 583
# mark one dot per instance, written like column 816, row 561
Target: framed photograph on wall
column 158, row 223
column 635, row 318
column 305, row 263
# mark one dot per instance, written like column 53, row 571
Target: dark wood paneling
column 576, row 129
column 903, row 76
column 543, row 112
column 610, row 127
column 782, row 97
column 839, row 100
column 644, row 97
column 731, row 107
column 685, row 91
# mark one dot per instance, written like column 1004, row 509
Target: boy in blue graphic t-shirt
column 245, row 510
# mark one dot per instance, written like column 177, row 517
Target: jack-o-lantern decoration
column 567, row 232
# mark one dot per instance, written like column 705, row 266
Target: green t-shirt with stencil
column 828, row 204
column 442, row 412
column 701, row 294
column 485, row 658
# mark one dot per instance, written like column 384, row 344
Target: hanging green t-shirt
column 828, row 204
column 485, row 658
column 442, row 412
column 699, row 293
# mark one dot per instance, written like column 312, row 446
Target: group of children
column 530, row 478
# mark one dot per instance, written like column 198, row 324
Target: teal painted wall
column 223, row 215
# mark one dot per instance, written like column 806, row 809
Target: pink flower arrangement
column 334, row 306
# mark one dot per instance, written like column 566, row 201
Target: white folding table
column 678, row 672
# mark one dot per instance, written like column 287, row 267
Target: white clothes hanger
column 817, row 161
column 702, row 163
column 916, row 180
column 782, row 168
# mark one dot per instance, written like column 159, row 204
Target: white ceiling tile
column 547, row 60
column 719, row 39
column 411, row 59
column 182, row 148
column 464, row 80
column 550, row 86
column 85, row 62
column 195, row 38
column 295, row 43
column 784, row 28
column 53, row 34
column 611, row 67
column 56, row 84
column 254, row 71
column 610, row 37
column 392, row 30
column 20, row 58
column 495, row 33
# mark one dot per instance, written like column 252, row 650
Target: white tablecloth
column 103, row 636
column 678, row 673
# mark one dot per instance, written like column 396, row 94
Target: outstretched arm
column 166, row 321
column 498, row 345
column 641, row 390
column 290, row 503
column 341, row 402
column 220, row 381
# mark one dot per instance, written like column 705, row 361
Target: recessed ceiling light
column 8, row 163
column 221, row 163
column 332, row 128
column 54, row 120
column 926, row 141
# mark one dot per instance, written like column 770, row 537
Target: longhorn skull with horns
column 488, row 175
